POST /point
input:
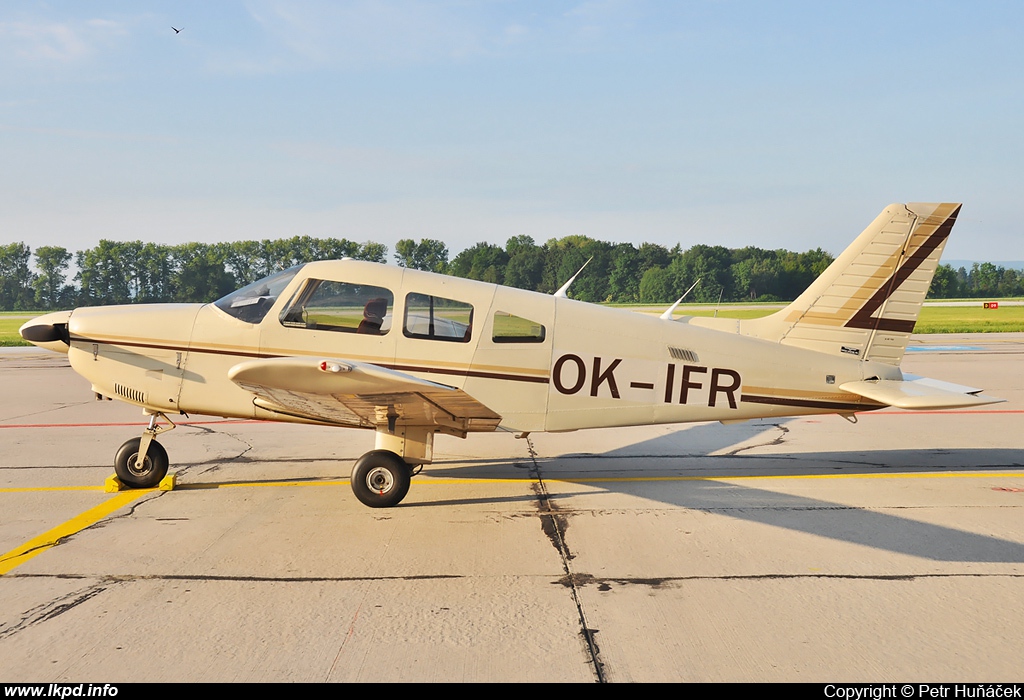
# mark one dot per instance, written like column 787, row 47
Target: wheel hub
column 139, row 469
column 380, row 480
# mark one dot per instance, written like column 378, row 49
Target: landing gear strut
column 141, row 463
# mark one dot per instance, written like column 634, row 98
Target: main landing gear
column 141, row 463
column 381, row 477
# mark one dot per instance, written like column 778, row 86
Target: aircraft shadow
column 702, row 453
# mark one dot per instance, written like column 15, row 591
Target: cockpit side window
column 436, row 318
column 343, row 307
column 252, row 302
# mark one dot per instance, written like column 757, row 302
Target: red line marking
column 253, row 420
column 937, row 413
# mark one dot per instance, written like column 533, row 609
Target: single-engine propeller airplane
column 409, row 354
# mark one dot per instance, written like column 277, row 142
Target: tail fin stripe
column 864, row 319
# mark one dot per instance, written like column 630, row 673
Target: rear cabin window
column 324, row 305
column 436, row 318
column 515, row 329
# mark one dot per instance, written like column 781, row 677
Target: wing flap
column 359, row 394
column 919, row 393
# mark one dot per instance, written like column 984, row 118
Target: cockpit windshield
column 251, row 303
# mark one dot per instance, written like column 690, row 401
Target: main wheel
column 146, row 476
column 380, row 479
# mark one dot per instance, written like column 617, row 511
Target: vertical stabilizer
column 867, row 302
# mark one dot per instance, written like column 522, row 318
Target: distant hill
column 966, row 264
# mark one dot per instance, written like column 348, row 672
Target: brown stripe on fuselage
column 838, row 406
column 466, row 373
column 262, row 356
column 160, row 346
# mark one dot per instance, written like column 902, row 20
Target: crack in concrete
column 565, row 513
column 778, row 440
column 213, row 465
column 659, row 582
column 129, row 578
column 571, row 580
column 53, row 608
column 554, row 525
column 106, row 520
column 51, row 409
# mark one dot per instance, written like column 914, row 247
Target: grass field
column 934, row 319
column 970, row 319
column 9, row 325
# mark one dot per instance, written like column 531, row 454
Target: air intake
column 129, row 394
column 683, row 354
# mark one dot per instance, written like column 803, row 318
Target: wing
column 918, row 393
column 359, row 394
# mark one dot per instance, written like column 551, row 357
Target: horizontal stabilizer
column 918, row 393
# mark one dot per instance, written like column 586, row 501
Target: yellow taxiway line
column 19, row 555
column 51, row 538
column 431, row 481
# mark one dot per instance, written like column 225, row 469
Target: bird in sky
column 176, row 30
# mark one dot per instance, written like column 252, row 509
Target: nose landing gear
column 141, row 463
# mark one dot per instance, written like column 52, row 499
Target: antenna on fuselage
column 668, row 314
column 563, row 291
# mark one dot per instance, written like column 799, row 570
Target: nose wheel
column 144, row 475
column 380, row 479
column 141, row 463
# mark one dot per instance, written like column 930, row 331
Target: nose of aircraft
column 49, row 331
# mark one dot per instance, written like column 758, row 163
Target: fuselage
column 543, row 363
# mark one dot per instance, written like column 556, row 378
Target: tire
column 153, row 470
column 380, row 479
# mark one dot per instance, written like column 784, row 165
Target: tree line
column 135, row 272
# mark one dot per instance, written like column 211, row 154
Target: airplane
column 409, row 354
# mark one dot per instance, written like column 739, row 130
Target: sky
column 774, row 124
